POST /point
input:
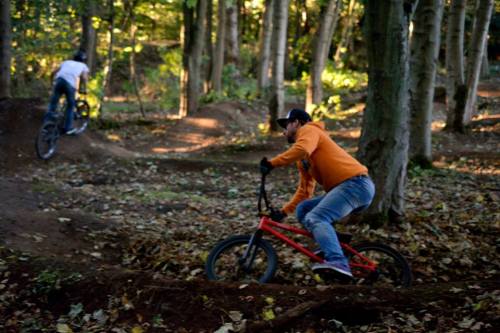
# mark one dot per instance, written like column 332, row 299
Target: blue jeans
column 62, row 87
column 317, row 214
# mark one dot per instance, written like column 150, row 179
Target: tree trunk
column 322, row 42
column 454, row 58
column 475, row 58
column 5, row 49
column 346, row 35
column 89, row 35
column 424, row 60
column 277, row 96
column 265, row 48
column 109, row 59
column 133, row 75
column 485, row 66
column 383, row 146
column 219, row 47
column 194, row 32
column 232, row 44
column 108, row 69
column 209, row 47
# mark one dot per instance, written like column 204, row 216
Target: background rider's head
column 80, row 56
column 295, row 119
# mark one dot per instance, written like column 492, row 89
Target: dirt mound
column 211, row 125
column 70, row 234
column 19, row 123
column 20, row 120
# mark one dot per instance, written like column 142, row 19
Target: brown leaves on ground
column 163, row 215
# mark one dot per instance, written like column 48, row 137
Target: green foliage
column 47, row 281
column 342, row 80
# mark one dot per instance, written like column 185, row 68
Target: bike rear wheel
column 392, row 268
column 81, row 116
column 46, row 139
column 226, row 261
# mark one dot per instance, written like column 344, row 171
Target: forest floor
column 111, row 235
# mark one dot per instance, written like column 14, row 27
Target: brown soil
column 35, row 236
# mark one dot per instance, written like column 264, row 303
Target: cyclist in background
column 346, row 183
column 69, row 76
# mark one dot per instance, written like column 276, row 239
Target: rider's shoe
column 341, row 270
column 71, row 131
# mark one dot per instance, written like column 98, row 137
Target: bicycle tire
column 46, row 139
column 393, row 269
column 81, row 116
column 223, row 261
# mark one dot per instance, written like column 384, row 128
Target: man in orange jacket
column 346, row 183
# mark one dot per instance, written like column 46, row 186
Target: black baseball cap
column 292, row 115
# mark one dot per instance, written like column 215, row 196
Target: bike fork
column 248, row 257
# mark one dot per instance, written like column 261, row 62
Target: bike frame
column 266, row 224
column 270, row 226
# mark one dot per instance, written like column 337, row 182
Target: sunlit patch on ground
column 114, row 137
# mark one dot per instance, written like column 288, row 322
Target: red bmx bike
column 251, row 258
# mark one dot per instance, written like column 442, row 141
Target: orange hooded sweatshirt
column 318, row 159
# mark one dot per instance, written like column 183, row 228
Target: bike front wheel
column 232, row 260
column 81, row 116
column 391, row 268
column 46, row 139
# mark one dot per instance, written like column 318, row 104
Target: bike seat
column 344, row 237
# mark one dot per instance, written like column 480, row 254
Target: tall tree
column 322, row 42
column 108, row 66
column 5, row 49
column 209, row 49
column 133, row 72
column 424, row 47
column 194, row 32
column 89, row 34
column 265, row 47
column 219, row 47
column 232, row 40
column 277, row 95
column 475, row 57
column 455, row 84
column 346, row 34
column 383, row 145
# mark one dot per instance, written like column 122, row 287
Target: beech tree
column 455, row 84
column 322, row 42
column 232, row 40
column 425, row 41
column 89, row 34
column 5, row 49
column 265, row 47
column 194, row 31
column 277, row 98
column 219, row 47
column 383, row 146
column 475, row 55
column 346, row 34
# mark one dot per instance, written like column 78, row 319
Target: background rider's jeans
column 317, row 214
column 62, row 87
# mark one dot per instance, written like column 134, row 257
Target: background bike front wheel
column 392, row 268
column 226, row 260
column 45, row 143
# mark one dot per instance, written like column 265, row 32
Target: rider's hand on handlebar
column 265, row 166
column 277, row 215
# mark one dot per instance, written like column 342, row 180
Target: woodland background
column 184, row 98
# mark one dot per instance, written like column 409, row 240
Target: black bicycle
column 53, row 128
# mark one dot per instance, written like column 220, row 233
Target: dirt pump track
column 138, row 259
